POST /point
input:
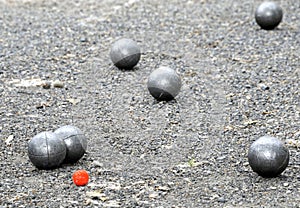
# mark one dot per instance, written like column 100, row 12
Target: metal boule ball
column 268, row 15
column 164, row 84
column 46, row 150
column 75, row 141
column 125, row 53
column 268, row 156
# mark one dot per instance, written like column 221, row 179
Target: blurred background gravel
column 239, row 83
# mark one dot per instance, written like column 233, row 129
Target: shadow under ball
column 268, row 15
column 46, row 150
column 125, row 53
column 268, row 156
column 164, row 84
column 75, row 141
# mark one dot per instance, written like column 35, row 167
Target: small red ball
column 80, row 177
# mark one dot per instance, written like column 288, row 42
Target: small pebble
column 264, row 87
column 221, row 200
column 46, row 85
column 221, row 157
column 58, row 84
column 83, row 39
column 153, row 195
column 96, row 163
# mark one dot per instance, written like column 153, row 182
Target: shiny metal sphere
column 268, row 156
column 164, row 83
column 268, row 15
column 125, row 53
column 46, row 150
column 75, row 140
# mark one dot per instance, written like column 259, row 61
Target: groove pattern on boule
column 75, row 141
column 46, row 150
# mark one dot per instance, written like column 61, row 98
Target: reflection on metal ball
column 268, row 156
column 46, row 150
column 125, row 53
column 75, row 140
column 268, row 15
column 164, row 84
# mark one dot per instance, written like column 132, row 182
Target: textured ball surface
column 125, row 53
column 268, row 15
column 164, row 84
column 46, row 150
column 75, row 141
column 80, row 177
column 268, row 156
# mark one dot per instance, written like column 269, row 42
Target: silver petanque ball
column 46, row 150
column 75, row 141
column 268, row 15
column 164, row 83
column 268, row 156
column 125, row 53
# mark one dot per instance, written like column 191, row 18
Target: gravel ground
column 239, row 83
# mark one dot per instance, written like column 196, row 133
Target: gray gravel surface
column 239, row 83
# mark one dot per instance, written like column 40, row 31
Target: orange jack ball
column 80, row 177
